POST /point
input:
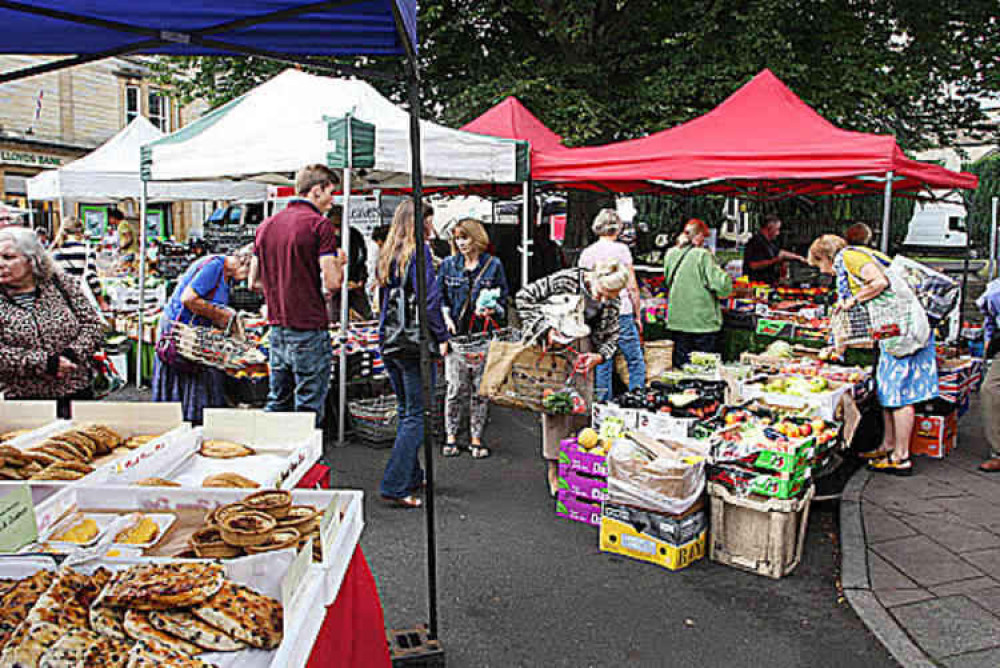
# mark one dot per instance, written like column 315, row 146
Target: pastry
column 218, row 449
column 19, row 601
column 81, row 532
column 13, row 457
column 156, row 482
column 145, row 530
column 66, row 603
column 11, row 435
column 140, row 440
column 207, row 543
column 301, row 518
column 163, row 586
column 279, row 540
column 184, row 625
column 105, row 438
column 139, row 628
column 147, row 656
column 8, row 473
column 247, row 527
column 106, row 653
column 229, row 480
column 108, row 621
column 244, row 614
column 273, row 502
column 220, row 513
column 33, row 640
column 68, row 651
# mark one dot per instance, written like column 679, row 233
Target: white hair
column 26, row 243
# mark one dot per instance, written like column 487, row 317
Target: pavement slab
column 924, row 561
column 986, row 560
column 989, row 658
column 881, row 526
column 956, row 536
column 967, row 587
column 948, row 626
column 989, row 598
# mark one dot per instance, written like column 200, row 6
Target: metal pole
column 142, row 282
column 886, row 212
column 31, row 215
column 525, row 231
column 425, row 361
column 993, row 239
column 345, row 241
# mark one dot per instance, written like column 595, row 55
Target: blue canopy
column 197, row 27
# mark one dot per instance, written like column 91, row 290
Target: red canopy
column 512, row 120
column 762, row 141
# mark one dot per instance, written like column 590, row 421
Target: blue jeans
column 628, row 343
column 403, row 473
column 300, row 371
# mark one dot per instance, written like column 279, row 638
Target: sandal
column 877, row 453
column 891, row 466
column 480, row 452
column 450, row 450
column 403, row 501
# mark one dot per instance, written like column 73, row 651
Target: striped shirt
column 603, row 327
column 25, row 299
column 75, row 258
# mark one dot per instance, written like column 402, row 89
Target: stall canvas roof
column 511, row 119
column 296, row 119
column 111, row 172
column 762, row 141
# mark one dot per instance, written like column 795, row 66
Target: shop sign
column 27, row 159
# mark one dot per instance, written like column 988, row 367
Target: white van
column 938, row 224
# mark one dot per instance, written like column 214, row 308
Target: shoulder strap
column 673, row 274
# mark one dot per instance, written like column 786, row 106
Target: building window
column 159, row 110
column 131, row 103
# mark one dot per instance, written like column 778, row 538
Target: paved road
column 521, row 587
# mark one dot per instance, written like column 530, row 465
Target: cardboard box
column 826, row 403
column 582, row 461
column 18, row 415
column 744, row 481
column 578, row 508
column 670, row 541
column 934, row 435
column 588, row 486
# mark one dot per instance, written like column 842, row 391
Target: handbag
column 402, row 325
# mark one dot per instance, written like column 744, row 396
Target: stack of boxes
column 583, row 483
column 935, row 429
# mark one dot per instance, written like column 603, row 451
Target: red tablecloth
column 353, row 631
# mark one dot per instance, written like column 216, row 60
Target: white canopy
column 111, row 172
column 297, row 119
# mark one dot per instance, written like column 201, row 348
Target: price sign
column 18, row 526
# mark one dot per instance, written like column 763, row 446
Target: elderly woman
column 695, row 283
column 200, row 298
column 598, row 289
column 607, row 226
column 463, row 277
column 48, row 330
column 902, row 382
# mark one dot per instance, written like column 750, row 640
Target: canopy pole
column 345, row 242
column 142, row 282
column 993, row 240
column 886, row 211
column 526, row 230
column 31, row 215
column 426, row 373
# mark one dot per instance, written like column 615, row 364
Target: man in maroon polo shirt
column 297, row 263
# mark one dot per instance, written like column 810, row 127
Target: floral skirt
column 903, row 381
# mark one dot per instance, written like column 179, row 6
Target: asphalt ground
column 519, row 586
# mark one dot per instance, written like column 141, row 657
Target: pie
column 19, row 601
column 163, row 586
column 301, row 518
column 244, row 614
column 275, row 503
column 229, row 480
column 69, row 650
column 207, row 543
column 106, row 653
column 279, row 540
column 247, row 527
column 33, row 641
column 156, row 482
column 224, row 449
column 184, row 625
column 109, row 622
column 146, row 656
column 139, row 628
column 220, row 513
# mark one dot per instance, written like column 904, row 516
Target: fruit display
column 563, row 402
column 690, row 398
column 796, row 386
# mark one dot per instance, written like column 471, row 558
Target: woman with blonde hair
column 464, row 276
column 695, row 283
column 396, row 274
column 902, row 382
column 76, row 258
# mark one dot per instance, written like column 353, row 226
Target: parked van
column 938, row 224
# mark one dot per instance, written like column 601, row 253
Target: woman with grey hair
column 607, row 226
column 48, row 330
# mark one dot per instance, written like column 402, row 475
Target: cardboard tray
column 17, row 415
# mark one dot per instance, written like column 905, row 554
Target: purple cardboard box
column 581, row 460
column 578, row 509
column 590, row 487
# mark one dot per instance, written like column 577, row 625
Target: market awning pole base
column 412, row 648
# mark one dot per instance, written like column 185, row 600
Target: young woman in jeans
column 396, row 270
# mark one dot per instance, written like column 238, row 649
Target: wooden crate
column 763, row 536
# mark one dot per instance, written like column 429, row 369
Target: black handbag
column 402, row 325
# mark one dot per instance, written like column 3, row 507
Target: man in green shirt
column 695, row 283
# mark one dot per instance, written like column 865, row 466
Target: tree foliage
column 602, row 70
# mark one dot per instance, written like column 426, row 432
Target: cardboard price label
column 18, row 526
column 292, row 581
column 329, row 524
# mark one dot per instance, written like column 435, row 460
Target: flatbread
column 145, row 656
column 218, row 449
column 69, row 650
column 33, row 643
column 13, row 457
column 156, row 482
column 139, row 628
column 184, row 625
column 245, row 615
column 19, row 601
column 109, row 622
column 67, row 601
column 163, row 586
column 106, row 653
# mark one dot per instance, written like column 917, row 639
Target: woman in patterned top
column 48, row 330
column 902, row 382
column 599, row 288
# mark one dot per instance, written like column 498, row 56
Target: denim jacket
column 456, row 284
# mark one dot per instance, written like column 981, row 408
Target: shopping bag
column 937, row 293
column 499, row 361
column 898, row 320
column 524, row 376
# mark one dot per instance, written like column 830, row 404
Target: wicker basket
column 374, row 420
column 213, row 348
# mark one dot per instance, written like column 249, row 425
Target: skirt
column 904, row 381
column 194, row 391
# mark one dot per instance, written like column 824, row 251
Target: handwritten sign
column 18, row 526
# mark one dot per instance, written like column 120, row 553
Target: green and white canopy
column 297, row 119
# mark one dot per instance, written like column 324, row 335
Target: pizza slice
column 106, row 653
column 146, row 656
column 245, row 615
column 184, row 625
column 139, row 628
column 69, row 650
column 35, row 640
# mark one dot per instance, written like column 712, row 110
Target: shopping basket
column 474, row 347
column 213, row 347
column 374, row 421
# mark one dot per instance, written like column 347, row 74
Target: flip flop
column 877, row 453
column 480, row 452
column 450, row 450
column 891, row 466
column 403, row 501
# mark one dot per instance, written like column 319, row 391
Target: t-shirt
column 855, row 260
column 602, row 250
column 757, row 249
column 288, row 247
column 205, row 277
